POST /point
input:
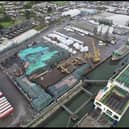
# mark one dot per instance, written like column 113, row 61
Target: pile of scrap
column 18, row 69
column 62, row 86
column 47, row 78
column 70, row 64
column 37, row 96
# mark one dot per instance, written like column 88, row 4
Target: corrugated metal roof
column 72, row 12
column 28, row 34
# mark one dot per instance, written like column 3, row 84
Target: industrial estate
column 64, row 64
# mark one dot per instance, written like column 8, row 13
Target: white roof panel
column 26, row 35
column 72, row 12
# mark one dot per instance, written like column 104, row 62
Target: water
column 124, row 122
column 60, row 118
column 77, row 101
column 104, row 71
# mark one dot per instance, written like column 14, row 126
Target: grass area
column 60, row 3
column 7, row 24
column 20, row 20
column 12, row 23
column 39, row 27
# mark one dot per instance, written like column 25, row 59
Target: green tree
column 1, row 26
column 28, row 5
column 27, row 14
column 49, row 10
column 5, row 18
column 1, row 9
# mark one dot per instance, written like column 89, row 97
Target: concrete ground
column 22, row 110
column 105, row 51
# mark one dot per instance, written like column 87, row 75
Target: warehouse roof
column 24, row 36
column 72, row 12
column 116, row 99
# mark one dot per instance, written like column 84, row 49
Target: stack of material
column 72, row 45
column 59, row 56
column 41, row 57
column 24, row 36
column 81, row 71
column 41, row 102
column 71, row 64
column 36, row 57
column 63, row 86
column 39, row 98
column 49, row 78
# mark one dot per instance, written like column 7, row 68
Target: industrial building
column 113, row 100
column 42, row 8
column 14, row 9
column 6, row 44
column 70, row 44
column 85, row 11
column 55, row 73
column 72, row 13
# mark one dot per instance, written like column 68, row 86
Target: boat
column 120, row 52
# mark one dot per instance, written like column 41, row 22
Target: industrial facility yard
column 50, row 76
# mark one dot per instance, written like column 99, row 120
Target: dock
column 95, row 81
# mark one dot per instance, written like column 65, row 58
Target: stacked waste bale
column 39, row 98
column 63, row 86
column 81, row 71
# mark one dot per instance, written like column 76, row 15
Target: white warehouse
column 72, row 13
